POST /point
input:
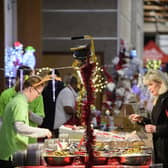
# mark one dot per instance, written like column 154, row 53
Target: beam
column 155, row 7
column 155, row 20
column 154, row 14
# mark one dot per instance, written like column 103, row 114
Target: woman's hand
column 150, row 128
column 48, row 133
column 135, row 118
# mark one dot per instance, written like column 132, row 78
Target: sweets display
column 124, row 148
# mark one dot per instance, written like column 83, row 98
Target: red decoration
column 86, row 72
column 17, row 44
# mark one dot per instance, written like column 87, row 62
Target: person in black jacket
column 49, row 103
column 157, row 124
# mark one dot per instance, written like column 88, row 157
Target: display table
column 111, row 150
column 82, row 166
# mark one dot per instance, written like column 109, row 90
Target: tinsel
column 53, row 85
column 86, row 72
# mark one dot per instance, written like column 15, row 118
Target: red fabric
column 153, row 52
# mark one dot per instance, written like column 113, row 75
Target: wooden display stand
column 122, row 121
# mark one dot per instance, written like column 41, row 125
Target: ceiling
column 155, row 11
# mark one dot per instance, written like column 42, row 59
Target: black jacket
column 49, row 104
column 159, row 118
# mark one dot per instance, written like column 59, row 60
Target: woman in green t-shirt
column 36, row 107
column 15, row 128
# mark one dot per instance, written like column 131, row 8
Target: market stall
column 85, row 146
column 111, row 149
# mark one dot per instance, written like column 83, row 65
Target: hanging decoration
column 85, row 64
column 49, row 74
column 87, row 72
column 45, row 79
column 43, row 71
column 28, row 58
column 80, row 54
column 16, row 56
column 125, row 72
column 80, row 102
column 98, row 78
column 53, row 85
column 21, row 79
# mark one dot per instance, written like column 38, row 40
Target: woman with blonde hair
column 15, row 128
column 157, row 124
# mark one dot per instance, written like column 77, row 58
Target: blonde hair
column 157, row 76
column 30, row 82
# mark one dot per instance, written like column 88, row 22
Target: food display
column 108, row 148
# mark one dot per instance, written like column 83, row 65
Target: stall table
column 82, row 166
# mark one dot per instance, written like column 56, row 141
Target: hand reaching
column 48, row 133
column 135, row 117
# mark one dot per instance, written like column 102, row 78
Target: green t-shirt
column 35, row 106
column 5, row 97
column 10, row 140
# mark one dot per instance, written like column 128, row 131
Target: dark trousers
column 6, row 164
column 55, row 133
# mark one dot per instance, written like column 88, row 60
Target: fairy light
column 40, row 70
column 153, row 64
column 99, row 81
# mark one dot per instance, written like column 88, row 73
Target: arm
column 69, row 110
column 159, row 130
column 35, row 118
column 29, row 131
column 37, row 109
column 68, row 101
column 1, row 122
column 139, row 119
column 145, row 121
column 161, row 126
